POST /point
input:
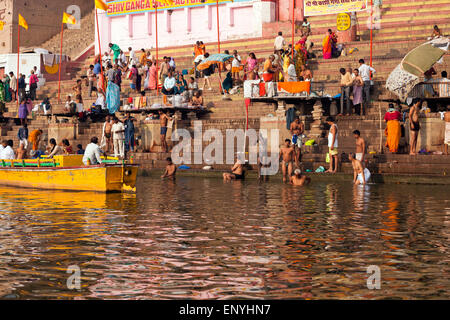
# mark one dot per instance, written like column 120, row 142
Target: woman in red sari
column 328, row 44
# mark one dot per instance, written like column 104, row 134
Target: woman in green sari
column 2, row 92
column 6, row 81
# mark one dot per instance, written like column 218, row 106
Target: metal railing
column 435, row 89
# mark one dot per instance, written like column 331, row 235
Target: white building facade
column 131, row 23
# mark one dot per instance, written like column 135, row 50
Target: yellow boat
column 69, row 173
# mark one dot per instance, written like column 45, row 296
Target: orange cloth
column 262, row 89
column 34, row 138
column 295, row 87
column 326, row 50
column 267, row 65
column 101, row 83
column 268, row 77
column 143, row 60
column 393, row 133
column 197, row 51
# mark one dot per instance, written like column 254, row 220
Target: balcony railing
column 435, row 89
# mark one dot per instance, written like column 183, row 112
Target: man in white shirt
column 7, row 153
column 132, row 60
column 169, row 87
column 92, row 153
column 291, row 72
column 236, row 65
column 100, row 100
column 91, row 79
column 198, row 59
column 280, row 43
column 118, row 131
column 106, row 59
column 364, row 72
column 13, row 85
column 122, row 59
column 80, row 108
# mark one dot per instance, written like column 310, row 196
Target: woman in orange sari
column 393, row 130
column 326, row 44
column 101, row 85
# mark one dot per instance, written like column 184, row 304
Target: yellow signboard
column 343, row 22
column 323, row 7
column 121, row 7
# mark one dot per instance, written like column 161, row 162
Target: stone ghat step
column 388, row 59
column 440, row 169
column 420, row 21
column 265, row 44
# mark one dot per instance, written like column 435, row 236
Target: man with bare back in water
column 414, row 125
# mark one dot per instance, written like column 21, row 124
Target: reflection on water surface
column 203, row 239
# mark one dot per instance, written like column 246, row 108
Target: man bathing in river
column 287, row 156
column 298, row 179
column 297, row 129
column 237, row 172
column 360, row 174
column 171, row 170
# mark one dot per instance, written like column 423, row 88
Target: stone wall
column 60, row 131
column 44, row 20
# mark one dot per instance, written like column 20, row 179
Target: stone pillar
column 317, row 114
column 281, row 110
column 350, row 33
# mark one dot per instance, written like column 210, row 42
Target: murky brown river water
column 203, row 239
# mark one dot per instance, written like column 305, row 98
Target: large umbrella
column 407, row 74
column 213, row 59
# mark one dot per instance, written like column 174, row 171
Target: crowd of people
column 13, row 89
column 118, row 137
column 108, row 72
column 288, row 63
column 355, row 83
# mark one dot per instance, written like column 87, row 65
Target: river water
column 203, row 239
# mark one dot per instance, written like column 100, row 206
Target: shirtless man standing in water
column 414, row 125
column 297, row 129
column 287, row 156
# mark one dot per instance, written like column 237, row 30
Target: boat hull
column 101, row 178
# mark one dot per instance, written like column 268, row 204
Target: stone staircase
column 400, row 20
column 412, row 19
column 74, row 40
